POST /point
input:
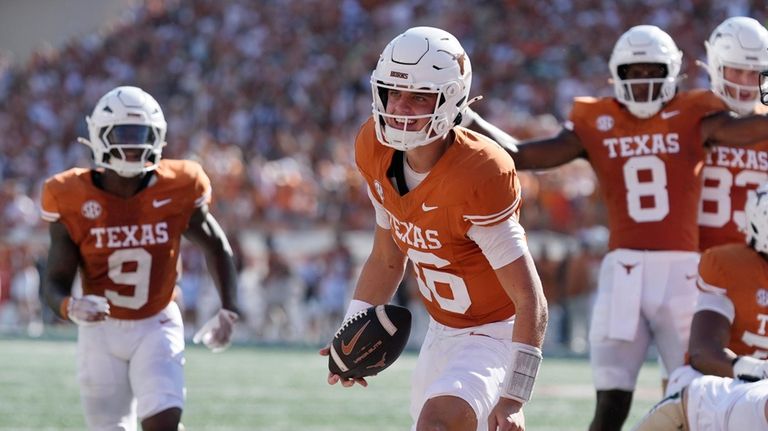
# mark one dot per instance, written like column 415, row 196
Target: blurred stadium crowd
column 268, row 96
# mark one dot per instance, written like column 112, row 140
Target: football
column 369, row 341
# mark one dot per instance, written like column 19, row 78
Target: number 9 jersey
column 649, row 169
column 129, row 247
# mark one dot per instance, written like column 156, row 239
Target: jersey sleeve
column 711, row 278
column 502, row 243
column 49, row 206
column 381, row 214
column 720, row 304
column 579, row 111
column 202, row 186
column 705, row 102
column 494, row 200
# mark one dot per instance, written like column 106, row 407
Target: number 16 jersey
column 474, row 183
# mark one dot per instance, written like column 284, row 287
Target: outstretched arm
column 473, row 121
column 534, row 153
column 549, row 152
column 205, row 231
column 728, row 129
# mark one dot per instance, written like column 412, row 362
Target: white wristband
column 750, row 369
column 522, row 372
column 356, row 306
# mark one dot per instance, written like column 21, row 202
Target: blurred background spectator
column 268, row 96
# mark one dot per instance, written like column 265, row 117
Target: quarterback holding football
column 448, row 199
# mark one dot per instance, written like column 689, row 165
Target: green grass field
column 271, row 389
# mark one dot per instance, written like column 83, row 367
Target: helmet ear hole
column 439, row 126
column 451, row 90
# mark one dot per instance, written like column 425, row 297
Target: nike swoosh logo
column 347, row 348
column 164, row 321
column 691, row 277
column 427, row 209
column 668, row 114
column 157, row 203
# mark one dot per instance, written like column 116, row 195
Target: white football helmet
column 740, row 43
column 127, row 131
column 756, row 212
column 645, row 44
column 428, row 60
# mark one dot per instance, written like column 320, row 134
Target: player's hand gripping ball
column 369, row 341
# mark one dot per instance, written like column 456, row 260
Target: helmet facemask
column 421, row 60
column 739, row 43
column 756, row 223
column 764, row 87
column 442, row 117
column 644, row 96
column 127, row 132
column 645, row 44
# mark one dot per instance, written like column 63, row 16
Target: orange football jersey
column 473, row 183
column 729, row 174
column 741, row 274
column 129, row 247
column 649, row 170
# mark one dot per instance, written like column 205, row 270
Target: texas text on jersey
column 126, row 252
column 430, row 223
column 729, row 174
column 644, row 157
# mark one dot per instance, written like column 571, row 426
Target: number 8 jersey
column 129, row 247
column 649, row 169
column 473, row 184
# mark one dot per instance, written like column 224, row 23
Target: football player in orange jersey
column 737, row 51
column 728, row 338
column 121, row 224
column 448, row 200
column 647, row 145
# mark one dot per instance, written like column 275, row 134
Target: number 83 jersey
column 649, row 169
column 474, row 183
column 129, row 247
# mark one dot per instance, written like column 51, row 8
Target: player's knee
column 446, row 416
column 166, row 420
